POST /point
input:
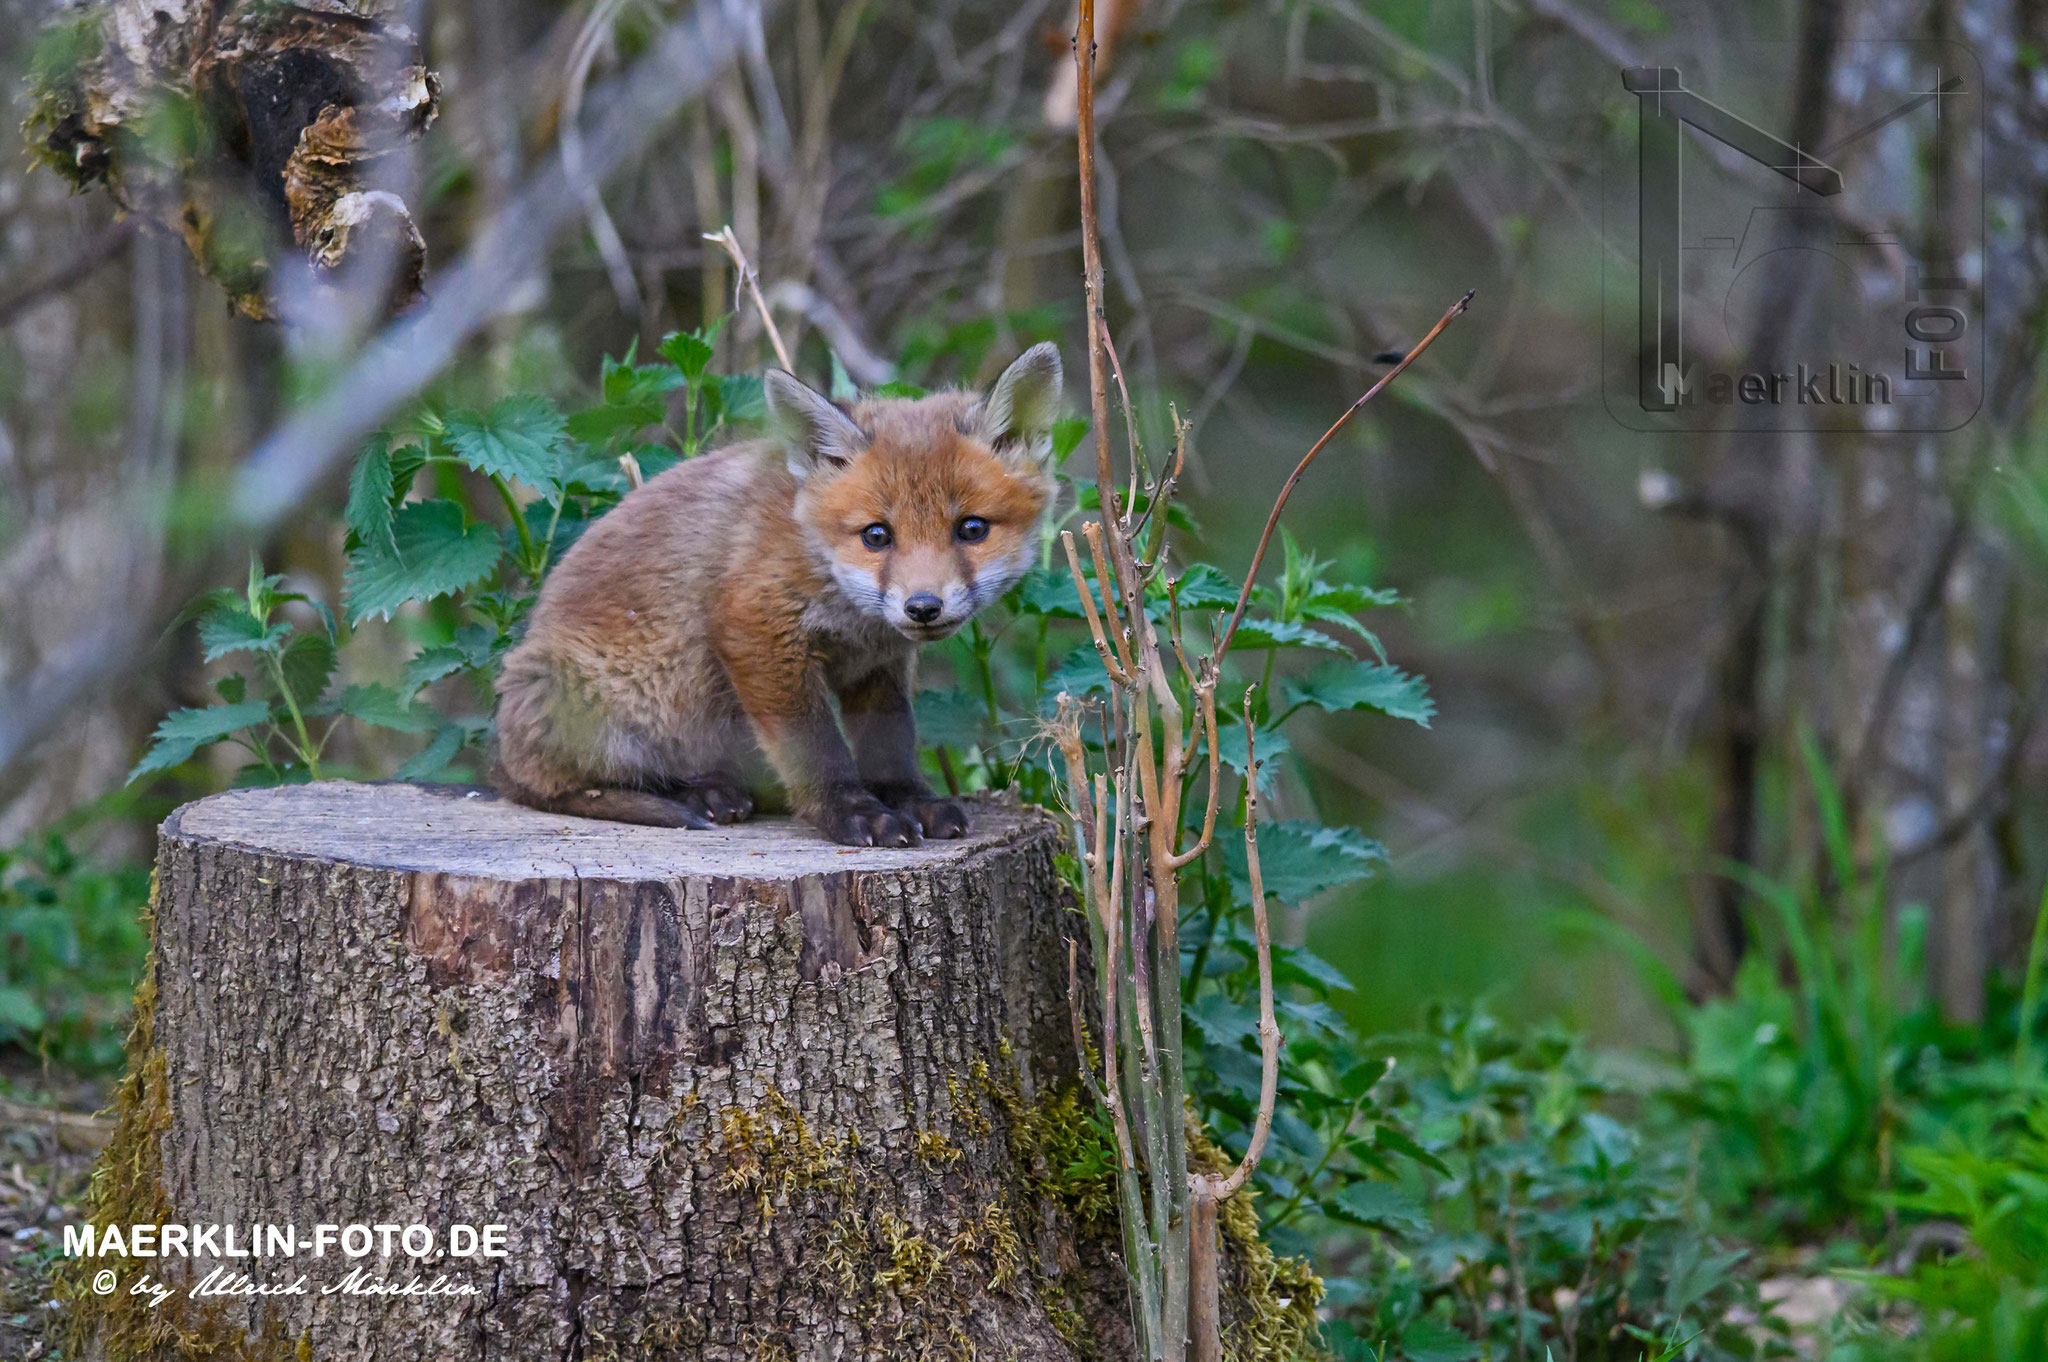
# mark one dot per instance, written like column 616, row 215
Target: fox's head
column 924, row 510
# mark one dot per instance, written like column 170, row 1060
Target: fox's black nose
column 924, row 607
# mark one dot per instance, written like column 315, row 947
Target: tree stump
column 733, row 1095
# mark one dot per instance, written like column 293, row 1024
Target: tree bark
column 733, row 1094
column 257, row 131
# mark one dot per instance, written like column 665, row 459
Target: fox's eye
column 972, row 530
column 877, row 536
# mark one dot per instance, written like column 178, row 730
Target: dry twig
column 730, row 241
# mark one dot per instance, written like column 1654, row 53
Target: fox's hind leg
column 613, row 804
column 561, row 750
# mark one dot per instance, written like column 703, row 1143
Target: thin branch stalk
column 1269, row 1027
column 729, row 239
column 1287, row 489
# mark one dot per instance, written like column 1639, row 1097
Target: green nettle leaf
column 1349, row 596
column 899, row 388
column 1316, row 1017
column 1222, row 1021
column 1066, row 436
column 601, row 476
column 609, row 420
column 1299, row 965
column 1431, row 1340
column 208, row 601
column 743, row 397
column 1270, row 743
column 1048, row 591
column 230, row 629
column 188, row 730
column 380, row 705
column 1203, row 587
column 522, row 437
column 654, row 460
column 690, row 351
column 1079, row 673
column 431, row 760
column 1298, row 859
column 406, row 461
column 1365, row 685
column 1339, row 605
column 951, row 717
column 436, row 553
column 1388, row 1139
column 308, row 664
column 1258, row 634
column 470, row 648
column 1237, row 1072
column 623, row 382
column 368, row 514
column 263, row 596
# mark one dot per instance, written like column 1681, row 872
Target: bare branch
column 1091, row 255
column 1118, row 614
column 1205, row 692
column 610, row 248
column 1269, row 1029
column 731, row 242
column 95, row 251
column 1088, row 1078
column 1287, row 488
column 1205, row 1292
column 1095, row 632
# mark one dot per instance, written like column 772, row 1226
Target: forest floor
column 48, row 1137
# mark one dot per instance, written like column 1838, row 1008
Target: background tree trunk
column 256, row 131
column 741, row 1094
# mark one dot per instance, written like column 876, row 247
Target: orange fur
column 727, row 602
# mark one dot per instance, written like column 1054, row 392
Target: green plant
column 1034, row 659
column 1970, row 1273
column 1979, row 1290
column 71, row 942
column 1802, row 1082
column 417, row 533
column 1535, row 1223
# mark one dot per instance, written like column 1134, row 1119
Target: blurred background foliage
column 1692, row 1008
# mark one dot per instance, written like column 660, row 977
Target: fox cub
column 729, row 601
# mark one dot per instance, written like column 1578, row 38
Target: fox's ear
column 1025, row 401
column 815, row 435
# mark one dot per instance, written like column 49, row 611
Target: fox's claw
column 935, row 817
column 858, row 819
column 715, row 798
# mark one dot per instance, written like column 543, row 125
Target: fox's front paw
column 856, row 818
column 936, row 817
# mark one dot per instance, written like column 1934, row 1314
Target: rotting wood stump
column 732, row 1094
